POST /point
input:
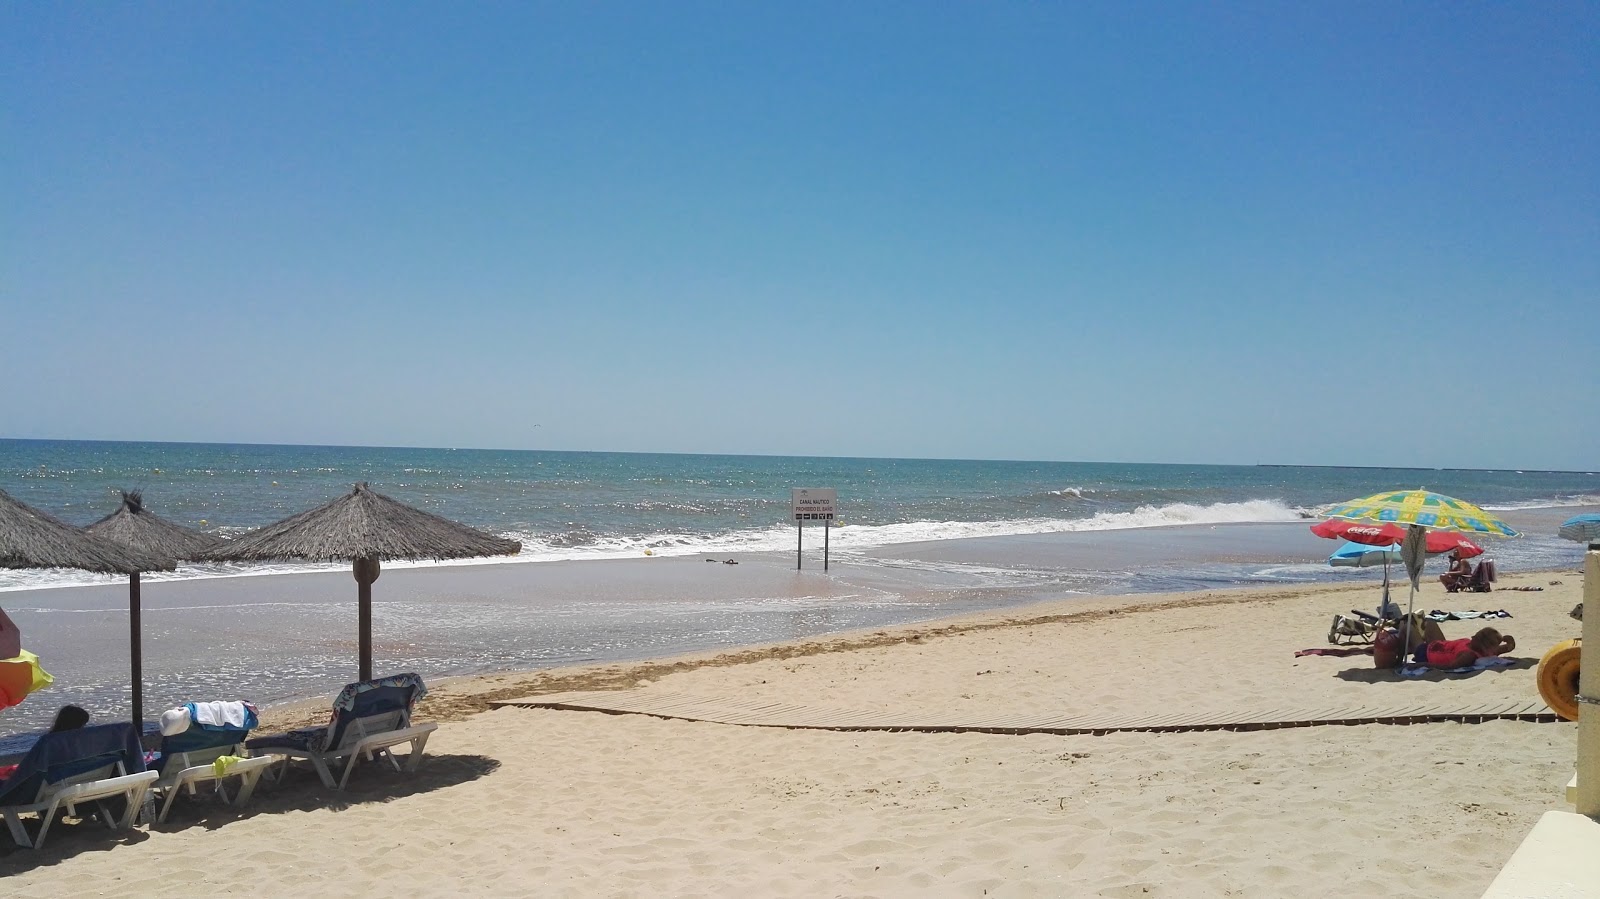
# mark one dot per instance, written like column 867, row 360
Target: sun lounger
column 64, row 770
column 369, row 719
column 189, row 759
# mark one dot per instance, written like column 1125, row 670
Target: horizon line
column 796, row 456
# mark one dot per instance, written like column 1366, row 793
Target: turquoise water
column 565, row 505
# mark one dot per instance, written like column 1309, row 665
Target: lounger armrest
column 250, row 764
column 393, row 738
column 209, row 772
column 110, row 786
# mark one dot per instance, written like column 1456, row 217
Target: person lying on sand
column 1462, row 653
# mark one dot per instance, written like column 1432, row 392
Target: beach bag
column 1386, row 648
column 1412, row 622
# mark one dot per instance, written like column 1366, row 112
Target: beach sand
column 516, row 801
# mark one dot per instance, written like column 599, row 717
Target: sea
column 914, row 539
column 594, row 505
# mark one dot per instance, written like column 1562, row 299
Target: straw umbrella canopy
column 137, row 528
column 364, row 528
column 30, row 538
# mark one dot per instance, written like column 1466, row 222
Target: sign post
column 812, row 504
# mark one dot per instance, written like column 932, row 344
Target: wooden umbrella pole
column 136, row 652
column 366, row 571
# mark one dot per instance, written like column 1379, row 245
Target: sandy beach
column 515, row 801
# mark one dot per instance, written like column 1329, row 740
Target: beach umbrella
column 1419, row 511
column 21, row 676
column 364, row 528
column 1389, row 534
column 30, row 538
column 1359, row 555
column 1582, row 528
column 1433, row 511
column 20, row 673
column 1384, row 541
column 135, row 527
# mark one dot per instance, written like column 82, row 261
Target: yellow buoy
column 1558, row 678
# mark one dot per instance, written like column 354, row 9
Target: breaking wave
column 580, row 543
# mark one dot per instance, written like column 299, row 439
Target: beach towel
column 1335, row 651
column 59, row 755
column 1468, row 615
column 218, row 715
column 233, row 715
column 1484, row 664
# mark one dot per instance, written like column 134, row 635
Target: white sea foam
column 1560, row 502
column 777, row 538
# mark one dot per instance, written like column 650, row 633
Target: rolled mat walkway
column 1558, row 678
column 766, row 713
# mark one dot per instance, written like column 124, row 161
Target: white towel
column 220, row 714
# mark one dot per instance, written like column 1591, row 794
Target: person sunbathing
column 1465, row 652
column 69, row 717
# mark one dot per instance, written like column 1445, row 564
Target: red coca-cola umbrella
column 1388, row 533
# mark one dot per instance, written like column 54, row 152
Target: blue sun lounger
column 369, row 719
column 89, row 765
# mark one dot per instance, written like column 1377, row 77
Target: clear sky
column 1337, row 233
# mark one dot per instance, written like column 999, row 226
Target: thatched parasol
column 30, row 538
column 144, row 532
column 364, row 528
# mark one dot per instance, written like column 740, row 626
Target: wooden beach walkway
column 765, row 713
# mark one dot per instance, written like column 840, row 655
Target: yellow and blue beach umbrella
column 1420, row 507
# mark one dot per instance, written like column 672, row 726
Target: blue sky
column 1344, row 233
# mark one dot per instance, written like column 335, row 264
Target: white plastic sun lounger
column 188, row 770
column 370, row 718
column 64, row 770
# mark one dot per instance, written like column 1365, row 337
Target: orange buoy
column 1558, row 678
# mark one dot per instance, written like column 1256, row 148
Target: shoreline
column 1537, row 521
column 288, row 638
column 458, row 697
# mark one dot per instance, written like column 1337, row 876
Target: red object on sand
column 1387, row 534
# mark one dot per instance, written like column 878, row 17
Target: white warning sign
column 814, row 503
